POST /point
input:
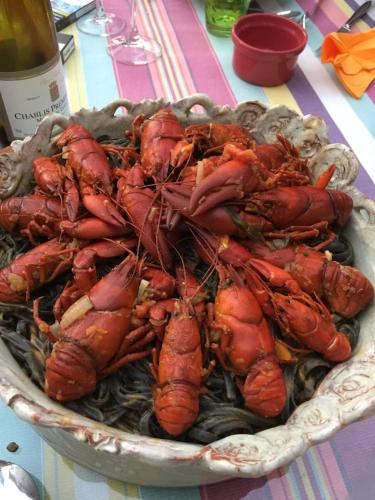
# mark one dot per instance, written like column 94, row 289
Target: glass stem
column 133, row 33
column 99, row 14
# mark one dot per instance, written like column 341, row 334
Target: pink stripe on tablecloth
column 128, row 78
column 163, row 79
column 251, row 489
column 333, row 472
column 175, row 61
column 333, row 11
column 204, row 67
column 188, row 64
column 371, row 91
column 178, row 55
column 279, row 487
column 328, row 17
column 140, row 82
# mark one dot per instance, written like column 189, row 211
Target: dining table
column 194, row 61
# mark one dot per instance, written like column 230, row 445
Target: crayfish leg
column 34, row 229
column 128, row 358
column 301, row 232
column 220, row 356
column 154, row 366
column 44, row 327
column 136, row 339
column 206, row 372
column 70, row 294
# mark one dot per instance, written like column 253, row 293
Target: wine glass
column 100, row 23
column 134, row 48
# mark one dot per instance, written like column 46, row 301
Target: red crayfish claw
column 231, row 180
column 102, row 207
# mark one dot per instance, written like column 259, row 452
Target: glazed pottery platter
column 346, row 395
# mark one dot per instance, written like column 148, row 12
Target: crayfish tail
column 339, row 349
column 70, row 372
column 264, row 390
column 176, row 407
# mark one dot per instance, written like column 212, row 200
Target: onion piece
column 199, row 176
column 76, row 311
column 142, row 291
column 328, row 255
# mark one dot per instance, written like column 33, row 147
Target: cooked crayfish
column 142, row 208
column 306, row 206
column 158, row 136
column 36, row 267
column 178, row 372
column 345, row 289
column 87, row 159
column 284, row 156
column 299, row 316
column 91, row 228
column 84, row 270
column 34, row 216
column 243, row 343
column 93, row 337
column 56, row 180
column 209, row 138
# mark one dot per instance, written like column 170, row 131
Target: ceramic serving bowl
column 346, row 395
column 266, row 48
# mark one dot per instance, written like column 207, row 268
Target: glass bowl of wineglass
column 134, row 48
column 101, row 23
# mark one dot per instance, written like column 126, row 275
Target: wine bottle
column 31, row 72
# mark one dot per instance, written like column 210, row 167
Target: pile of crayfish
column 169, row 203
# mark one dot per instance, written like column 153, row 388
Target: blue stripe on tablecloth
column 306, row 480
column 102, row 89
column 88, row 485
column 151, row 493
column 316, row 474
column 295, row 480
column 317, row 480
column 29, row 452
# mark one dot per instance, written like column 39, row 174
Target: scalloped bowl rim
column 345, row 395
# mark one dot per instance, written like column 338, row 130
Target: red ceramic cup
column 266, row 47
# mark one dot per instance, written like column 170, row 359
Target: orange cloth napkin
column 353, row 57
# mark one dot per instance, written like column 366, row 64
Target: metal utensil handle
column 357, row 14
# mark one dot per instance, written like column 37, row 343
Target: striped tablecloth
column 194, row 61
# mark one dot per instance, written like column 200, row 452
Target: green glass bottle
column 31, row 72
column 222, row 14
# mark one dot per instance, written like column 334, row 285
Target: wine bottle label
column 27, row 100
